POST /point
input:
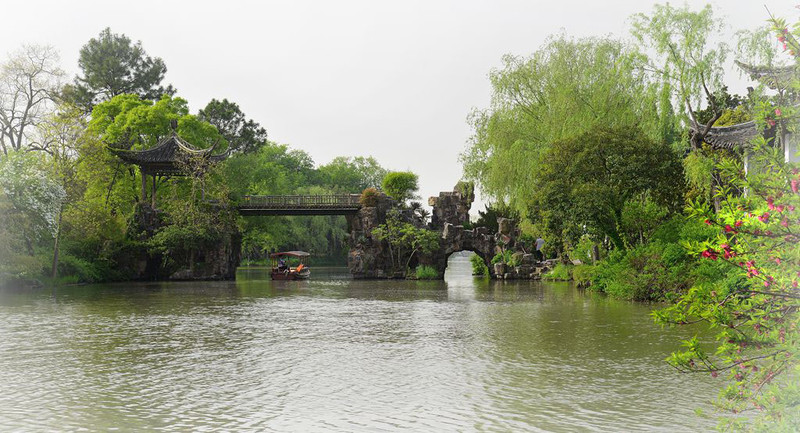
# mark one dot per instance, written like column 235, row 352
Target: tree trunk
column 54, row 272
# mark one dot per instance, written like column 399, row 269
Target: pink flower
column 737, row 224
column 785, row 222
column 778, row 112
column 795, row 184
column 707, row 221
column 728, row 228
column 709, row 254
column 764, row 218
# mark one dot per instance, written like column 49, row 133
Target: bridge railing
column 300, row 201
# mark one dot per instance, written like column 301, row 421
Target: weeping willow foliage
column 566, row 88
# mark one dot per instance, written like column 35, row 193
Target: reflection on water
column 333, row 354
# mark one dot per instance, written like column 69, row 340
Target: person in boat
column 282, row 264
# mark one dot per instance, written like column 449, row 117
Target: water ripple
column 339, row 355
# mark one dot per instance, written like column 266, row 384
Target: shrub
column 506, row 257
column 83, row 270
column 583, row 274
column 369, row 197
column 400, row 185
column 560, row 272
column 425, row 272
column 478, row 265
column 583, row 249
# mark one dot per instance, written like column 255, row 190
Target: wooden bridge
column 339, row 204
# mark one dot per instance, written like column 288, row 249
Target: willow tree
column 686, row 58
column 566, row 88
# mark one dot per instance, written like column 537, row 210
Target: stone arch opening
column 469, row 252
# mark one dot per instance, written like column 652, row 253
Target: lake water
column 333, row 354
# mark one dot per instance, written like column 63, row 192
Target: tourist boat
column 290, row 265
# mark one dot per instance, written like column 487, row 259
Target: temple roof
column 770, row 76
column 162, row 158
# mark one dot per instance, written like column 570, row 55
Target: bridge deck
column 338, row 204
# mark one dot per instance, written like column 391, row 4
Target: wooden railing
column 299, row 204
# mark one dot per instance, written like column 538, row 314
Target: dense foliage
column 478, row 265
column 406, row 239
column 75, row 210
column 585, row 182
column 600, row 163
column 568, row 87
column 400, row 185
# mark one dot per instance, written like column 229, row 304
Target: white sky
column 394, row 80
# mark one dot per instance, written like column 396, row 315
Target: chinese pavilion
column 170, row 157
column 740, row 136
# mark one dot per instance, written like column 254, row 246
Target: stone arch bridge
column 369, row 257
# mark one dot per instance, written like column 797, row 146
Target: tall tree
column 241, row 133
column 112, row 65
column 586, row 181
column 29, row 80
column 31, row 199
column 688, row 61
column 352, row 174
column 564, row 89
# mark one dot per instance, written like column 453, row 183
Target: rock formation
column 370, row 258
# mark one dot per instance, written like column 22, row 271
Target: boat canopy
column 290, row 254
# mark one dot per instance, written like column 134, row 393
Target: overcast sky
column 395, row 80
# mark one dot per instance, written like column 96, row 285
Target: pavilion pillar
column 153, row 196
column 144, row 184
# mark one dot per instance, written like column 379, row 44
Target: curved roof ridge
column 770, row 76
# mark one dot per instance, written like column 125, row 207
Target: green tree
column 242, row 134
column 62, row 136
column 405, row 240
column 587, row 180
column 30, row 200
column 112, row 65
column 692, row 67
column 566, row 88
column 488, row 217
column 352, row 174
column 400, row 185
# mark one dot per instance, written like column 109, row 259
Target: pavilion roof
column 164, row 156
column 770, row 76
column 729, row 137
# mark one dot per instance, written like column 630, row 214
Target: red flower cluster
column 709, row 254
column 727, row 253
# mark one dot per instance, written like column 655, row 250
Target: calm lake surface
column 333, row 354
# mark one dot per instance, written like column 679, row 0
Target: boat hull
column 283, row 275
